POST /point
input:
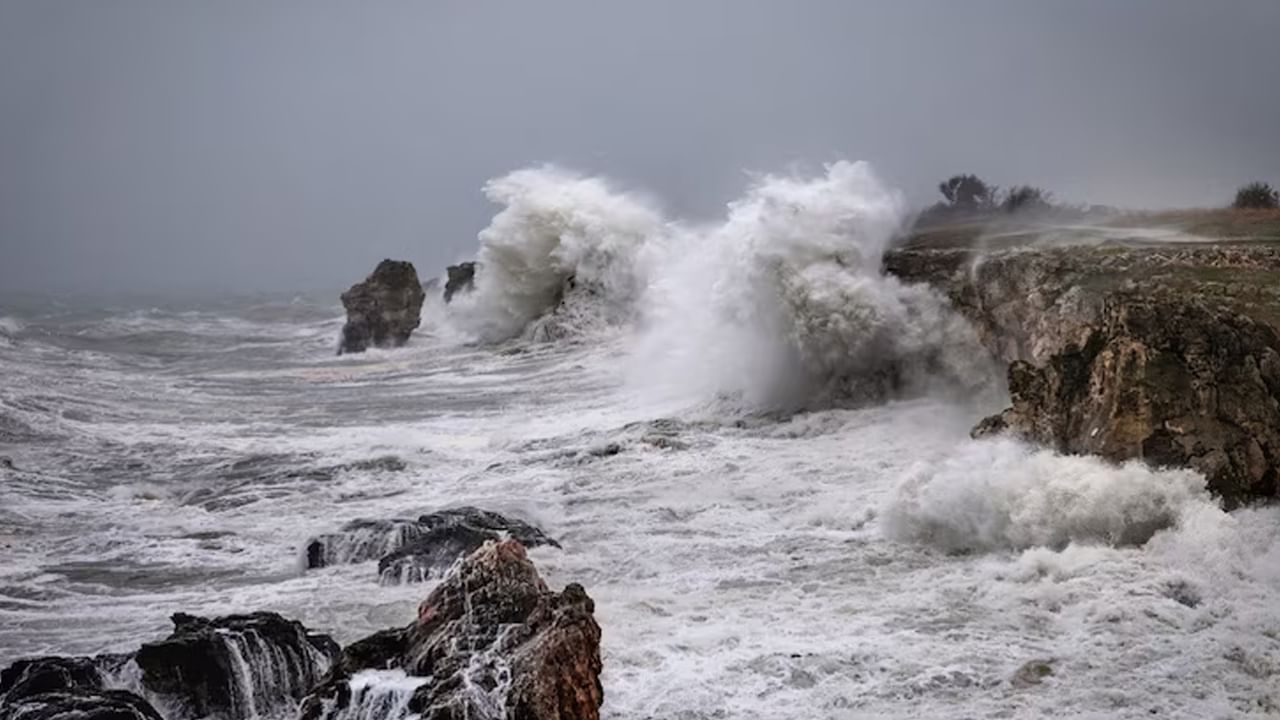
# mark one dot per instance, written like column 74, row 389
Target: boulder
column 384, row 309
column 417, row 550
column 461, row 278
column 490, row 641
column 235, row 667
column 361, row 540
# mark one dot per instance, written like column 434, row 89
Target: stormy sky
column 244, row 145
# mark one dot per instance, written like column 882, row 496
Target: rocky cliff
column 1169, row 353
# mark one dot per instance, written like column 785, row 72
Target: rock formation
column 461, row 278
column 415, row 550
column 58, row 688
column 236, row 667
column 491, row 641
column 384, row 309
column 1166, row 353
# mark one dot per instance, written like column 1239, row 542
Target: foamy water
column 863, row 558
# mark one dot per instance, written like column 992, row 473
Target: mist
column 242, row 146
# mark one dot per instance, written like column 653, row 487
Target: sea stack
column 461, row 279
column 384, row 309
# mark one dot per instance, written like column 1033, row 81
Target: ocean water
column 752, row 446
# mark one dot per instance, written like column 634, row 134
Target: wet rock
column 490, row 641
column 384, row 309
column 448, row 535
column 68, row 687
column 461, row 278
column 234, row 667
column 361, row 540
column 80, row 704
column 46, row 674
column 416, row 550
column 1168, row 354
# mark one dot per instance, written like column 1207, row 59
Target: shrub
column 968, row 192
column 1256, row 195
column 1027, row 198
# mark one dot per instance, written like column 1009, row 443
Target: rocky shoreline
column 1165, row 353
column 490, row 641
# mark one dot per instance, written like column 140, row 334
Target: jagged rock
column 490, row 641
column 384, row 309
column 461, row 278
column 68, row 687
column 237, row 666
column 1170, row 354
column 80, row 704
column 33, row 676
column 415, row 550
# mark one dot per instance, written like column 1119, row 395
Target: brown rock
column 493, row 641
column 1170, row 354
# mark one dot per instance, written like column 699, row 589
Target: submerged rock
column 1169, row 354
column 416, row 550
column 490, row 641
column 239, row 666
column 461, row 279
column 384, row 309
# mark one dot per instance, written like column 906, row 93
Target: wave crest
column 1003, row 494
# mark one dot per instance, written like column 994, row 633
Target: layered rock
column 460, row 278
column 239, row 666
column 491, row 641
column 384, row 309
column 1166, row 353
column 416, row 550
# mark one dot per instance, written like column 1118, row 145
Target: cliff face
column 1166, row 353
column 384, row 309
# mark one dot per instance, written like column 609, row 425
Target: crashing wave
column 560, row 257
column 1003, row 494
column 785, row 305
column 782, row 305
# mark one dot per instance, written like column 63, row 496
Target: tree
column 1026, row 197
column 968, row 192
column 1257, row 195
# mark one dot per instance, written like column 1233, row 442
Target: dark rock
column 490, row 641
column 416, row 550
column 80, row 704
column 63, row 688
column 450, row 535
column 461, row 279
column 237, row 666
column 361, row 540
column 34, row 676
column 384, row 309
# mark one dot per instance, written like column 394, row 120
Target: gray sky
column 171, row 145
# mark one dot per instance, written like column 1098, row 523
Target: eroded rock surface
column 384, row 309
column 491, row 641
column 1169, row 354
column 238, row 666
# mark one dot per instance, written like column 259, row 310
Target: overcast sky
column 171, row 145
